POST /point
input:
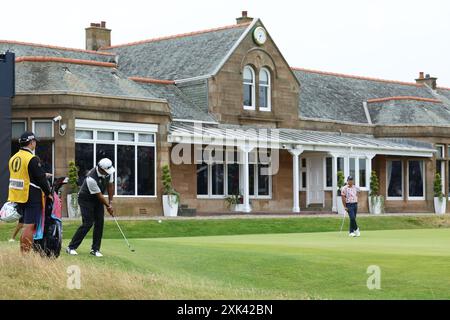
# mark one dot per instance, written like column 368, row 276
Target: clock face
column 260, row 35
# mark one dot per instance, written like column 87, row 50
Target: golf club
column 343, row 220
column 120, row 229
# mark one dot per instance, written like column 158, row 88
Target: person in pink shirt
column 349, row 194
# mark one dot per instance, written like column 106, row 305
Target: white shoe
column 71, row 252
column 11, row 240
column 96, row 253
column 352, row 235
column 357, row 233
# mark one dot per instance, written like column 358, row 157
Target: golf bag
column 47, row 239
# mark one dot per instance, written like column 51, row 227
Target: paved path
column 257, row 216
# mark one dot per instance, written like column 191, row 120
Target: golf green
column 413, row 264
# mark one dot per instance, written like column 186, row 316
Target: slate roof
column 181, row 106
column 404, row 112
column 444, row 94
column 49, row 77
column 178, row 57
column 323, row 96
column 197, row 92
column 32, row 49
column 330, row 96
column 75, row 78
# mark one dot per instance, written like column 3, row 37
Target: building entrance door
column 315, row 181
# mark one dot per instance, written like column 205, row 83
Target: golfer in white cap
column 92, row 203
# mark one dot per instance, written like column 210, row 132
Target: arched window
column 264, row 90
column 249, row 88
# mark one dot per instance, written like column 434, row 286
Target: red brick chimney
column 244, row 18
column 429, row 81
column 97, row 36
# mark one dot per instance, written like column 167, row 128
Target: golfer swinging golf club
column 92, row 203
column 349, row 195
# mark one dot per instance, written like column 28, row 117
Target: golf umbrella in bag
column 48, row 235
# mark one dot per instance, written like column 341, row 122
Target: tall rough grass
column 32, row 277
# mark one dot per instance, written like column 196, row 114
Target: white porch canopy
column 296, row 141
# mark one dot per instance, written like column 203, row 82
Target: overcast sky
column 391, row 39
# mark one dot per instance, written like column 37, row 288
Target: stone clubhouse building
column 230, row 116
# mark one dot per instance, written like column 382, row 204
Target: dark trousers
column 91, row 216
column 352, row 211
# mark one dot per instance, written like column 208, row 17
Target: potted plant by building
column 340, row 184
column 375, row 200
column 73, row 209
column 439, row 199
column 235, row 202
column 171, row 198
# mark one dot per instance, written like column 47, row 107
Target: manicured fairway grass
column 414, row 263
column 211, row 227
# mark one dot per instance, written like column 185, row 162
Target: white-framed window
column 357, row 168
column 130, row 146
column 328, row 173
column 440, row 163
column 416, row 180
column 394, row 180
column 440, row 154
column 221, row 176
column 340, row 164
column 249, row 88
column 352, row 168
column 211, row 174
column 448, row 170
column 45, row 148
column 303, row 174
column 17, row 128
column 265, row 90
column 363, row 173
column 260, row 184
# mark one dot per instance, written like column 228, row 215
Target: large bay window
column 249, row 88
column 416, row 180
column 130, row 146
column 394, row 179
